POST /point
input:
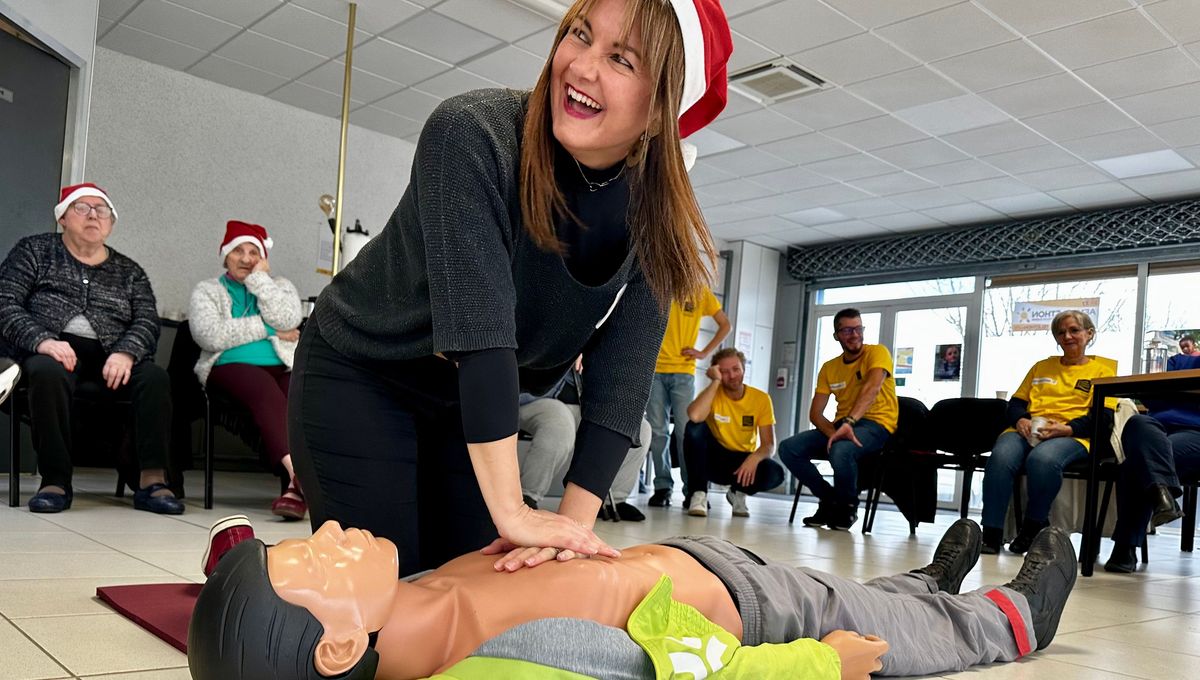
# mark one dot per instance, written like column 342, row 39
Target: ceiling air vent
column 774, row 81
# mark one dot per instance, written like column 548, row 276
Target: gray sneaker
column 738, row 500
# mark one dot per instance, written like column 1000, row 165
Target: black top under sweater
column 454, row 271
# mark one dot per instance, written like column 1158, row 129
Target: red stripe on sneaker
column 1014, row 620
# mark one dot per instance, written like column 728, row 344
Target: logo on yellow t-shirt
column 748, row 421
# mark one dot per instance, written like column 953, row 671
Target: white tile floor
column 1145, row 625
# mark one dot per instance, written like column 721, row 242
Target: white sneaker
column 699, row 504
column 738, row 500
column 10, row 373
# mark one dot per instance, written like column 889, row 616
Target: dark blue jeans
column 798, row 451
column 1155, row 454
column 1043, row 465
column 711, row 462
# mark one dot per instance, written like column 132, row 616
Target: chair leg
column 795, row 502
column 1189, row 519
column 1016, row 500
column 873, row 500
column 968, row 473
column 14, row 469
column 1145, row 549
column 208, row 455
column 1098, row 529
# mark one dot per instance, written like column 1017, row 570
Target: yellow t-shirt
column 845, row 380
column 683, row 327
column 1064, row 393
column 735, row 423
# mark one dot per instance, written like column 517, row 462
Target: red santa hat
column 77, row 191
column 707, row 45
column 237, row 233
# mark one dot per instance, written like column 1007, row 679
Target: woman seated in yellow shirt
column 1050, row 423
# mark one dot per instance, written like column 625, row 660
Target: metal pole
column 341, row 175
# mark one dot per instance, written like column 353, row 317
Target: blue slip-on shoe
column 162, row 505
column 48, row 502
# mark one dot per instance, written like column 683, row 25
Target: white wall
column 750, row 305
column 181, row 155
column 68, row 25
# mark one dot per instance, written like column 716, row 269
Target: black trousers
column 1154, row 454
column 708, row 461
column 379, row 445
column 52, row 391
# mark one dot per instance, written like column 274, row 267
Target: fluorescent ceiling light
column 1139, row 164
column 547, row 8
column 956, row 114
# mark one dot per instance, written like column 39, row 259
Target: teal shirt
column 259, row 352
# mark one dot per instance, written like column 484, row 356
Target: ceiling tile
column 237, row 12
column 873, row 13
column 233, row 74
column 1098, row 196
column 946, row 32
column 1143, row 73
column 991, row 188
column 1025, row 204
column 826, row 109
column 450, row 83
column 769, row 242
column 803, row 236
column 747, row 53
column 703, row 173
column 766, row 225
column 1044, row 95
column 270, row 55
column 967, row 213
column 708, row 141
column 433, row 34
column 807, row 148
column 1125, row 142
column 115, row 9
column 790, row 27
column 179, row 24
column 876, row 133
column 102, row 26
column 308, row 30
column 919, row 154
column 735, row 8
column 758, row 127
column 1167, row 187
column 497, row 17
column 736, row 190
column 1084, row 121
column 1111, row 37
column 150, row 47
column 1181, row 18
column 1033, row 159
column 410, row 104
column 871, row 207
column 814, row 216
column 1185, row 132
column 956, row 173
column 1035, row 16
column 743, row 162
column 396, row 62
column 1164, row 105
column 994, row 139
column 779, row 204
column 1192, row 153
column 789, row 179
column 908, row 221
column 889, row 185
column 853, row 59
column 851, row 167
column 511, row 66
column 906, row 89
column 384, row 121
column 541, row 42
column 952, row 115
column 364, row 87
column 993, row 67
column 309, row 98
column 729, row 213
column 817, row 197
column 737, row 104
column 854, row 229
column 929, row 198
column 375, row 16
column 1064, row 178
column 1143, row 164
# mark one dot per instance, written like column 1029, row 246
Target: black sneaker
column 1029, row 531
column 1046, row 579
column 993, row 540
column 844, row 518
column 661, row 498
column 955, row 556
column 629, row 513
column 1123, row 559
column 819, row 518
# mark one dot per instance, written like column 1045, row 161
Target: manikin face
column 89, row 228
column 240, row 261
column 1072, row 337
column 346, row 579
column 849, row 333
column 599, row 90
column 732, row 373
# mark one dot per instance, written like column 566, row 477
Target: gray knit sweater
column 42, row 287
column 455, row 271
column 213, row 327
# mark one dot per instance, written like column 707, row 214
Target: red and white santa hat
column 77, row 191
column 707, row 45
column 237, row 233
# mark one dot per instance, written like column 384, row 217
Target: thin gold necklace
column 596, row 186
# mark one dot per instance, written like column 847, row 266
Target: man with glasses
column 861, row 382
column 74, row 310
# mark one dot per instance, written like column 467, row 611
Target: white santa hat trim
column 695, row 78
column 263, row 246
column 61, row 208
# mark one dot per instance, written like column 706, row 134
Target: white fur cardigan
column 210, row 317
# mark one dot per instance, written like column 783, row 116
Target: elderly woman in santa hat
column 245, row 322
column 75, row 310
column 536, row 226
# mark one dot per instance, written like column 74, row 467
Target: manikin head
column 301, row 610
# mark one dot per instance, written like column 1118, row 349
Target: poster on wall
column 745, row 342
column 947, row 363
column 1037, row 315
column 904, row 356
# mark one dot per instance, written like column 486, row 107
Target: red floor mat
column 164, row 609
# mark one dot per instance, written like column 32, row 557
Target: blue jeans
column 1043, row 465
column 1155, row 454
column 798, row 451
column 711, row 462
column 669, row 392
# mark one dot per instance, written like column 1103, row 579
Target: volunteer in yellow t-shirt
column 730, row 437
column 861, row 381
column 1050, row 419
column 674, row 384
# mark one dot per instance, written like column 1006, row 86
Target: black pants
column 708, row 461
column 379, row 445
column 1154, row 454
column 51, row 393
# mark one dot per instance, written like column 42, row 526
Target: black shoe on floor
column 993, row 540
column 629, row 513
column 661, row 498
column 1029, row 531
column 1166, row 509
column 1123, row 559
column 955, row 556
column 841, row 519
column 1046, row 579
column 820, row 517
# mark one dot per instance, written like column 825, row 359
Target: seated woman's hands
column 860, row 654
column 1054, row 429
column 530, row 537
column 289, row 336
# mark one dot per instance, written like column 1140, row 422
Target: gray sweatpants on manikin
column 927, row 631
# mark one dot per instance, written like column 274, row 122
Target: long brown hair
column 670, row 237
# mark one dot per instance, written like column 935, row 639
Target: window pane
column 1171, row 304
column 895, row 291
column 932, row 341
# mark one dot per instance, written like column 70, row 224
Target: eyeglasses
column 83, row 210
column 850, row 330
